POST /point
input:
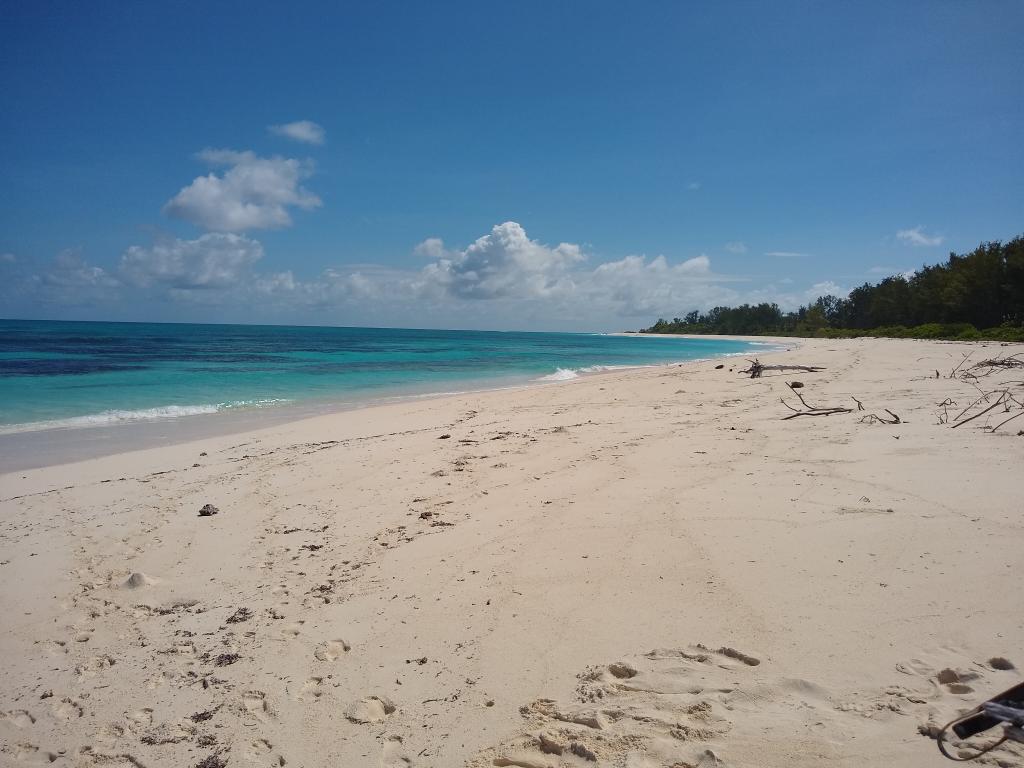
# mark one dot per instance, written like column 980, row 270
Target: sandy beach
column 639, row 568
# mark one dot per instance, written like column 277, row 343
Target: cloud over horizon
column 504, row 263
column 214, row 260
column 502, row 279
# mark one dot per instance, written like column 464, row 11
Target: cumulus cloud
column 215, row 260
column 304, row 131
column 506, row 271
column 636, row 287
column 736, row 247
column 504, row 263
column 917, row 237
column 71, row 281
column 253, row 193
column 826, row 288
column 432, row 247
column 504, row 279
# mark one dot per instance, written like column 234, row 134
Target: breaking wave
column 565, row 374
column 110, row 418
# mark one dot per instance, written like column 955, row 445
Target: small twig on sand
column 996, row 404
column 810, row 410
column 967, row 355
column 874, row 418
column 997, row 426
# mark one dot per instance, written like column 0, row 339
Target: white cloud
column 7, row 258
column 253, row 193
column 906, row 274
column 305, row 131
column 432, row 247
column 787, row 254
column 215, row 260
column 504, row 279
column 736, row 247
column 71, row 281
column 826, row 288
column 637, row 288
column 917, row 237
column 693, row 186
column 504, row 263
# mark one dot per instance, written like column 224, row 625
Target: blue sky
column 577, row 166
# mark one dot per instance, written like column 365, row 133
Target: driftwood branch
column 810, row 410
column 995, row 363
column 967, row 356
column 757, row 368
column 944, row 405
column 997, row 426
column 874, row 418
column 1005, row 399
column 996, row 404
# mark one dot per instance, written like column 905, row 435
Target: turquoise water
column 77, row 374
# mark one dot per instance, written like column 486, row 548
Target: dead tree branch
column 874, row 418
column 810, row 410
column 967, row 356
column 757, row 368
column 996, row 404
column 997, row 426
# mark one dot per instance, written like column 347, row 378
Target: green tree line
column 971, row 296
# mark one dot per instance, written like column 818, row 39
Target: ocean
column 72, row 375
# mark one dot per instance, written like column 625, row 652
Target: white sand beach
column 639, row 568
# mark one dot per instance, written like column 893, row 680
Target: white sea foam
column 110, row 418
column 560, row 374
column 566, row 374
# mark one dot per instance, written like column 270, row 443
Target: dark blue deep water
column 76, row 374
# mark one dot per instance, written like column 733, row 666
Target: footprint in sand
column 312, row 689
column 30, row 754
column 95, row 666
column 936, row 694
column 141, row 718
column 255, row 704
column 371, row 709
column 331, row 650
column 259, row 751
column 109, row 734
column 66, row 709
column 667, row 707
column 292, row 630
column 19, row 718
column 55, row 647
column 955, row 680
column 394, row 754
column 94, row 758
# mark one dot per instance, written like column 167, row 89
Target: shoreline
column 651, row 564
column 51, row 446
